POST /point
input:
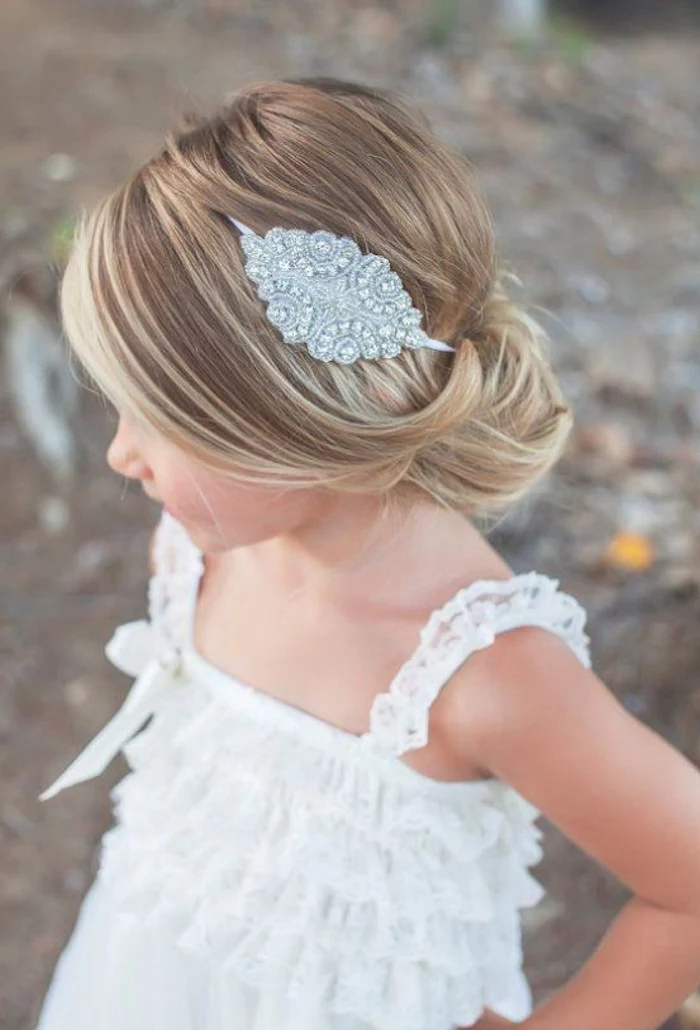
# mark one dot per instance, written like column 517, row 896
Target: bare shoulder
column 509, row 691
column 516, row 678
column 531, row 714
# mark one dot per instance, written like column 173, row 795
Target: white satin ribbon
column 132, row 650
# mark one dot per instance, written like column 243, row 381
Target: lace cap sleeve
column 469, row 622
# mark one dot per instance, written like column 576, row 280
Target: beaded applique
column 322, row 291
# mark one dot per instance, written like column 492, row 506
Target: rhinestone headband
column 324, row 293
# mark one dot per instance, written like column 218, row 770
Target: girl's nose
column 123, row 456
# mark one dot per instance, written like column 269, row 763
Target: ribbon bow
column 133, row 649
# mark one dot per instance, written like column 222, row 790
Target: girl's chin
column 207, row 539
column 181, row 516
column 205, row 535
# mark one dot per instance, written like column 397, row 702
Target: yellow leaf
column 630, row 551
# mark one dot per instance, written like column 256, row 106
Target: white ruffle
column 469, row 622
column 173, row 589
column 307, row 868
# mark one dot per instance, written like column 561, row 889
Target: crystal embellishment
column 324, row 293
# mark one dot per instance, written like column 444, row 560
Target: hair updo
column 157, row 305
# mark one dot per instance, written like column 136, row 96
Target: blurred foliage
column 60, row 239
column 442, row 20
column 569, row 37
column 690, row 191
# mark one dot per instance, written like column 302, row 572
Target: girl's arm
column 529, row 712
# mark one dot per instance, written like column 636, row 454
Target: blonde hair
column 157, row 306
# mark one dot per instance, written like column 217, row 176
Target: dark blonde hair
column 157, row 305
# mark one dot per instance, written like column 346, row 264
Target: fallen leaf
column 633, row 552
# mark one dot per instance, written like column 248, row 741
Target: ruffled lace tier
column 286, row 863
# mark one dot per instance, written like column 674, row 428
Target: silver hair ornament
column 322, row 291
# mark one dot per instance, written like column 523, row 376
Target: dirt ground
column 589, row 149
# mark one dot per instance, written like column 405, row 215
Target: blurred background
column 584, row 121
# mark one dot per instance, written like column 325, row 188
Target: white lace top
column 298, row 854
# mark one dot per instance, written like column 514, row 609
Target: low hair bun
column 503, row 416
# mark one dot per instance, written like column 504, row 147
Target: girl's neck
column 353, row 547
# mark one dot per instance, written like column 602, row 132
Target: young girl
column 355, row 710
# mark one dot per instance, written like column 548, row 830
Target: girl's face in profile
column 217, row 512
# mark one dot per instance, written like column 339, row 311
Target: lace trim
column 468, row 622
column 172, row 589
